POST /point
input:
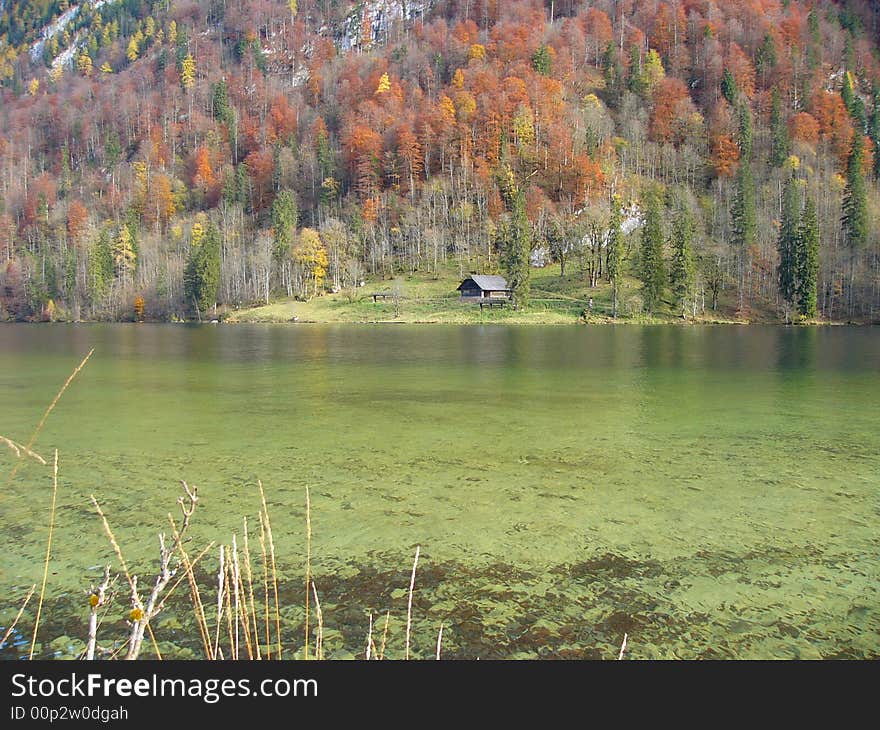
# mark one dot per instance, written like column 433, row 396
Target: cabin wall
column 471, row 292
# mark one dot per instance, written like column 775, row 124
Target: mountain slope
column 320, row 142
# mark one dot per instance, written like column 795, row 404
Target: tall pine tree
column 855, row 197
column 515, row 239
column 284, row 217
column 874, row 128
column 780, row 144
column 201, row 277
column 744, row 213
column 652, row 270
column 681, row 270
column 787, row 243
column 808, row 260
column 614, row 253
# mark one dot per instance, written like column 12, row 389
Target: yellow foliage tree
column 198, row 230
column 124, row 255
column 309, row 252
column 34, row 87
column 132, row 52
column 105, row 68
column 384, row 84
column 524, row 127
column 653, row 72
column 188, row 72
column 172, row 33
column 55, row 73
column 84, row 64
column 477, row 52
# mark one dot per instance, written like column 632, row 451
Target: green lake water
column 713, row 492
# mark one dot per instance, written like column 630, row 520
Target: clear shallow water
column 711, row 491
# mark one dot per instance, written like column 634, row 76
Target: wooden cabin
column 480, row 286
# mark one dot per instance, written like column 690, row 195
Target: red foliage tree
column 803, row 127
column 668, row 95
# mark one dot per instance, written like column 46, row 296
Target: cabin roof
column 488, row 282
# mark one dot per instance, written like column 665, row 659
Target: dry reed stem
column 112, row 538
column 233, row 644
column 97, row 599
column 319, row 641
column 253, row 611
column 119, row 649
column 622, row 648
column 51, row 407
column 369, row 638
column 274, row 570
column 48, row 553
column 155, row 643
column 265, row 585
column 179, row 580
column 308, row 566
column 412, row 583
column 385, row 634
column 148, row 611
column 188, row 568
column 18, row 448
column 439, row 641
column 236, row 580
column 17, row 616
column 220, row 576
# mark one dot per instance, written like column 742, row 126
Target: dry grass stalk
column 274, row 570
column 412, row 583
column 97, row 599
column 154, row 642
column 385, row 634
column 142, row 613
column 19, row 448
column 48, row 553
column 265, row 585
column 17, row 616
column 308, row 566
column 230, row 624
column 236, row 583
column 622, row 648
column 230, row 633
column 319, row 640
column 112, row 538
column 188, row 567
column 221, row 574
column 369, row 638
column 439, row 641
column 51, row 407
column 253, row 611
column 142, row 619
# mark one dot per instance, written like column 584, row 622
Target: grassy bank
column 427, row 299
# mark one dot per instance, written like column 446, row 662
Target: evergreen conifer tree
column 808, row 260
column 652, row 270
column 681, row 270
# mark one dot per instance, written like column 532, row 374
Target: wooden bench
column 492, row 303
column 381, row 295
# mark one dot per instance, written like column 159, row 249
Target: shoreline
column 622, row 321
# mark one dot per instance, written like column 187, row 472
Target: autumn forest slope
column 159, row 158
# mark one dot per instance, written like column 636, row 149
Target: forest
column 159, row 158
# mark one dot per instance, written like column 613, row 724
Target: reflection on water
column 712, row 491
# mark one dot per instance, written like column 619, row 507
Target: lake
column 712, row 492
